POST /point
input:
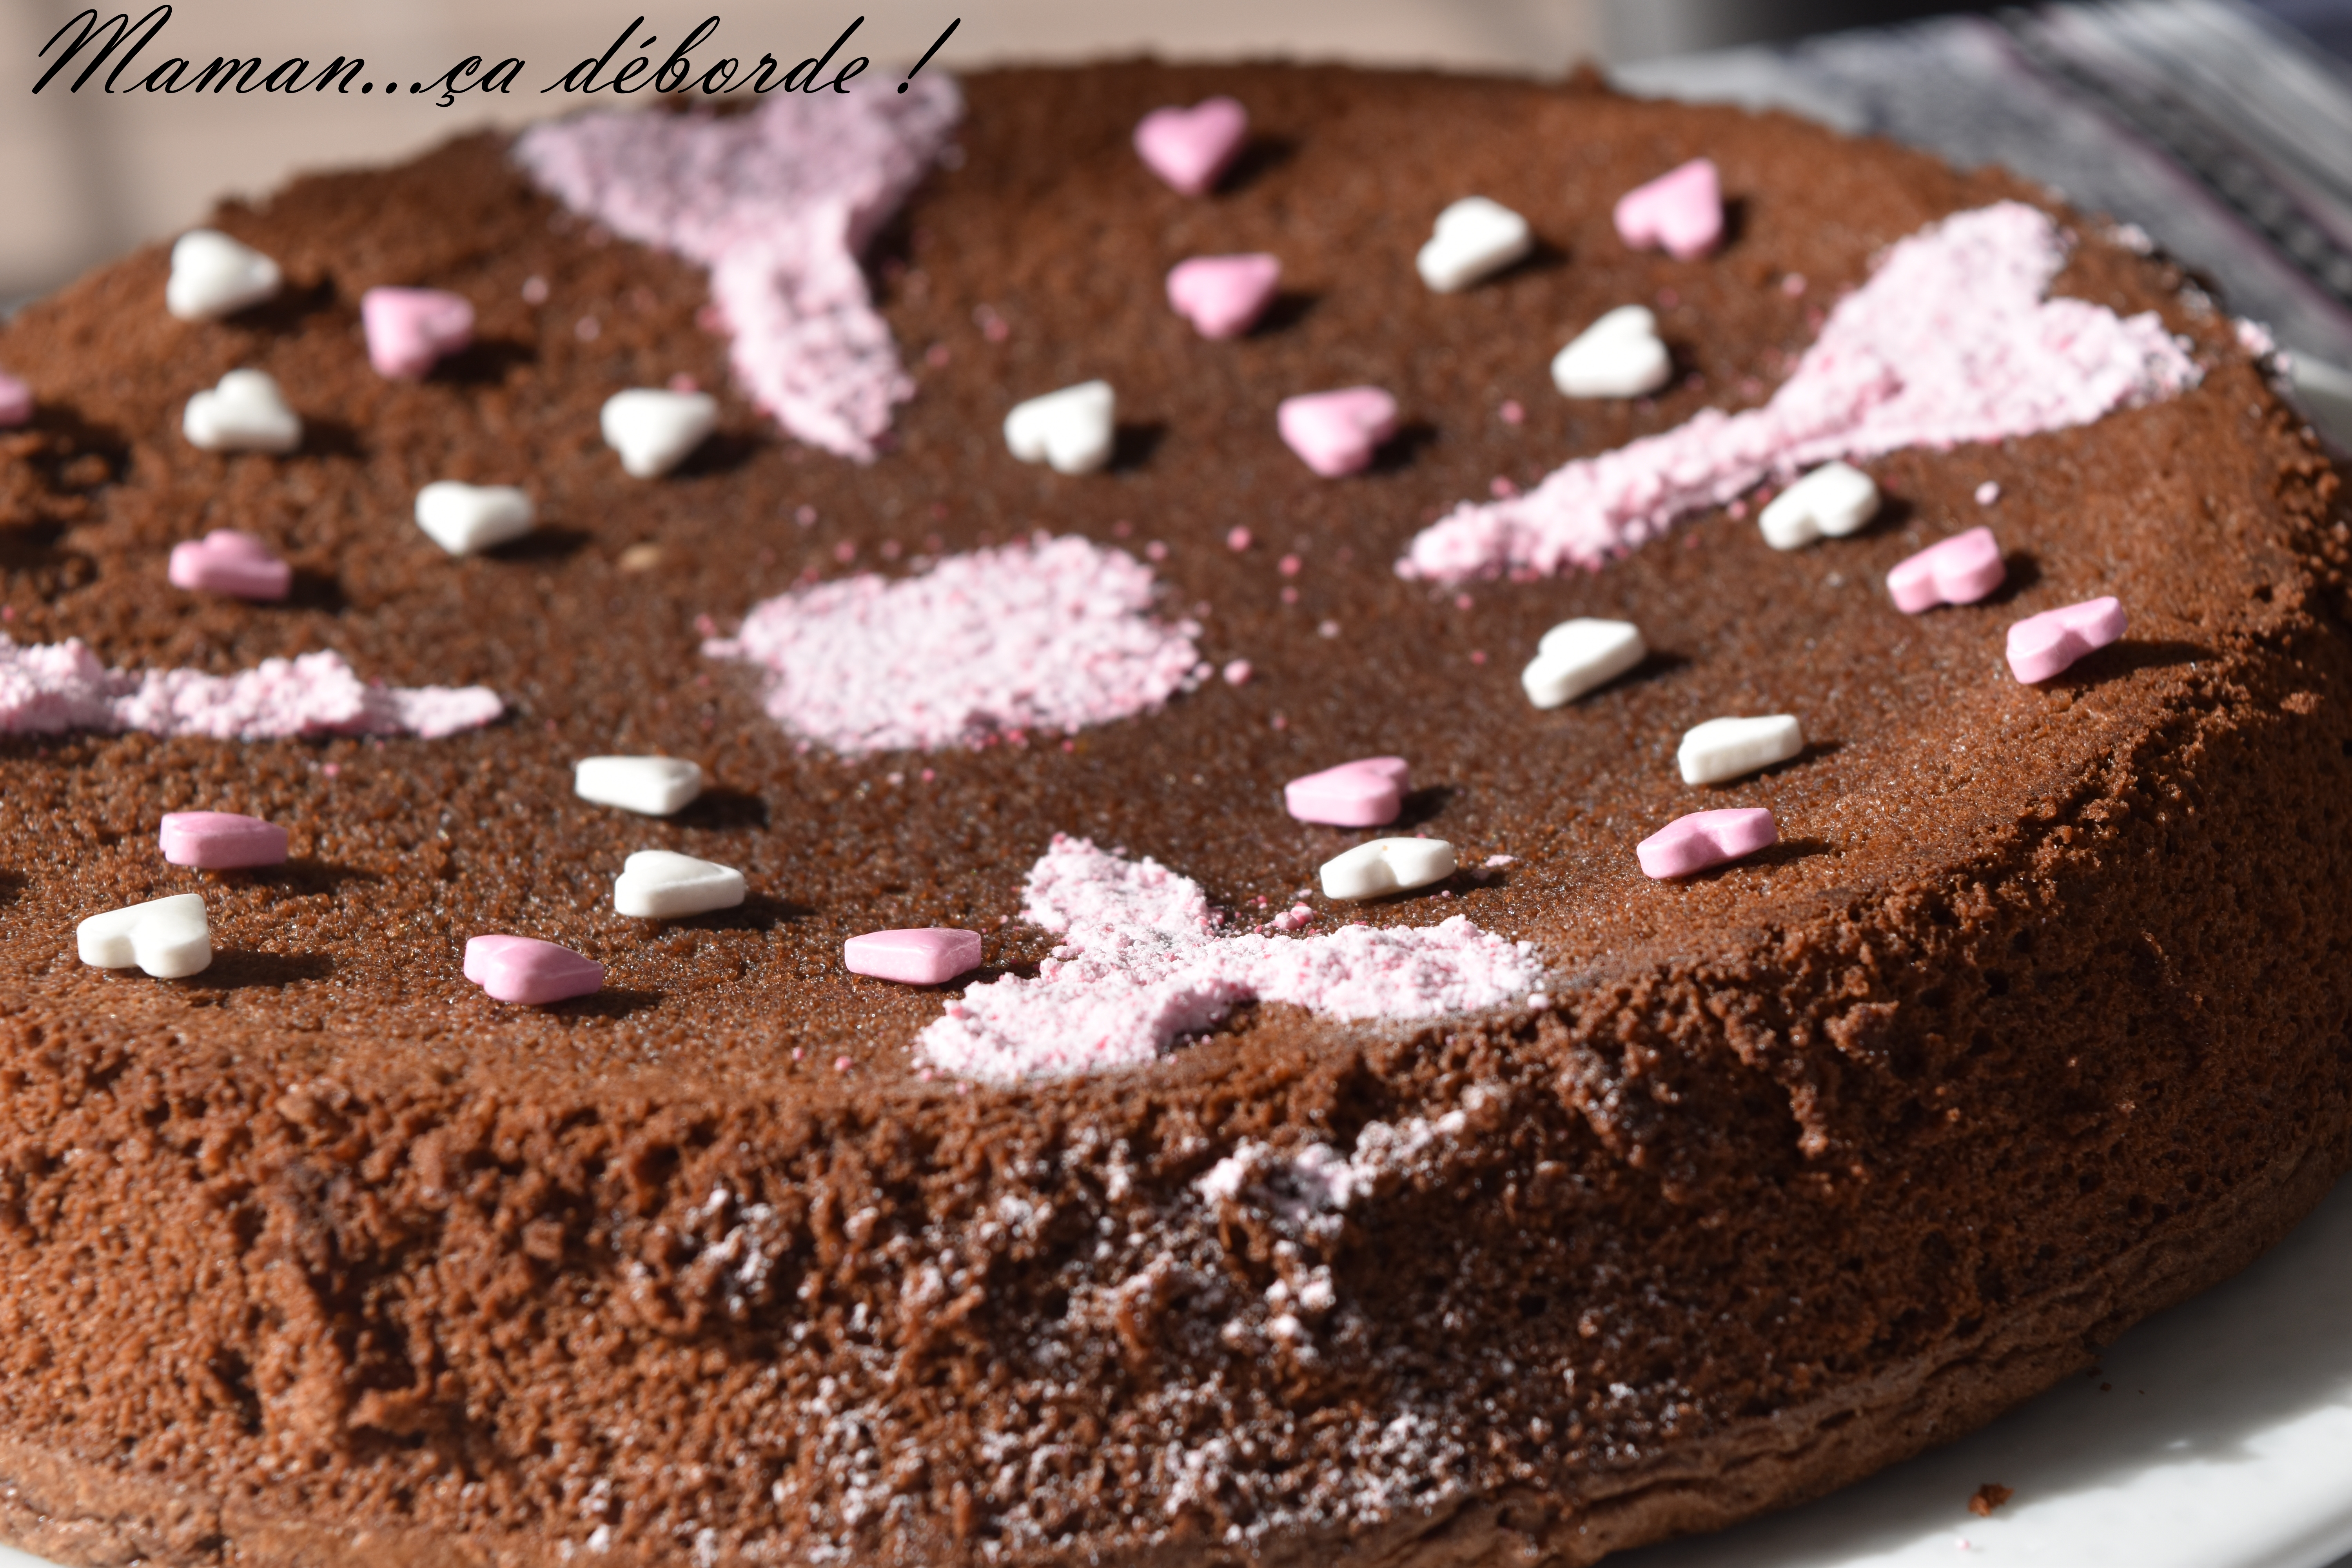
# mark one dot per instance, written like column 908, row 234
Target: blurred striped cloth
column 2219, row 132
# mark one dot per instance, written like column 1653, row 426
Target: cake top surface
column 633, row 620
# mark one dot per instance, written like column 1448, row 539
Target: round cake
column 1218, row 1206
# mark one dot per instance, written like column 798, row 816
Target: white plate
column 2226, row 1442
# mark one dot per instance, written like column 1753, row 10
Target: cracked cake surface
column 2033, row 1021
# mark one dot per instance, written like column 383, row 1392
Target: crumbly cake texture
column 2035, row 1021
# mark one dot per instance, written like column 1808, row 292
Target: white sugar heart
column 660, row 884
column 1386, row 866
column 1724, row 749
column 462, row 518
column 167, row 937
column 213, row 274
column 246, row 412
column 654, row 429
column 1475, row 239
column 1619, row 355
column 653, row 786
column 1831, row 502
column 1575, row 656
column 1071, row 429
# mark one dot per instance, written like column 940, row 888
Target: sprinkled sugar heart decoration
column 1192, row 148
column 1680, row 212
column 651, row 787
column 1071, row 431
column 529, row 972
column 778, row 203
column 1223, row 296
column 1335, row 433
column 1722, row 750
column 168, row 938
column 1366, row 793
column 1620, row 355
column 654, row 429
column 246, row 412
column 214, row 276
column 1386, row 866
column 408, row 330
column 1702, row 839
column 1950, row 341
column 1580, row 656
column 220, row 840
column 465, row 518
column 927, row 956
column 1959, row 571
column 661, row 884
column 1054, row 634
column 2044, row 645
column 1473, row 239
column 52, row 687
column 1833, row 500
column 1140, row 963
column 227, row 562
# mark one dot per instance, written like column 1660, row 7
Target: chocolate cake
column 1212, row 1219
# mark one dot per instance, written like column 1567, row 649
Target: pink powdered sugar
column 778, row 203
column 1950, row 341
column 1142, row 963
column 49, row 687
column 1049, row 635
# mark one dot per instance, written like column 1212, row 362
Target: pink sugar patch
column 1140, row 963
column 1053, row 633
column 1950, row 341
column 49, row 687
column 778, row 203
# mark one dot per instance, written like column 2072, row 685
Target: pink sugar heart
column 1705, row 838
column 1958, row 571
column 15, row 402
column 1190, row 148
column 1223, row 296
column 1366, row 793
column 409, row 328
column 525, row 969
column 219, row 840
column 1681, row 212
column 227, row 562
column 2040, row 646
column 925, row 956
column 1335, row 432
